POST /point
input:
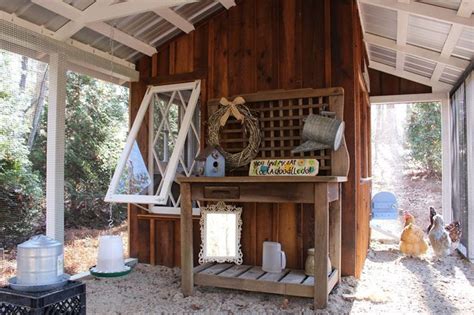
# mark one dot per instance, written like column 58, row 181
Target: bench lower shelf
column 253, row 278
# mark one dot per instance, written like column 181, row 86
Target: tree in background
column 96, row 127
column 21, row 196
column 424, row 137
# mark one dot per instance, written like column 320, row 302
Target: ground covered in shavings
column 389, row 283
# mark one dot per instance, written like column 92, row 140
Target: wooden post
column 335, row 233
column 321, row 227
column 55, row 148
column 187, row 281
column 152, row 242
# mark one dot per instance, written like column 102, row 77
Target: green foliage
column 96, row 126
column 424, row 136
column 21, row 197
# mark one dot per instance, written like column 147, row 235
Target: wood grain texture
column 386, row 84
column 257, row 46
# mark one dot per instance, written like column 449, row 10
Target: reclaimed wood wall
column 386, row 84
column 263, row 45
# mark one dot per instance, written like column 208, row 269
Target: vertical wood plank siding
column 256, row 46
column 386, row 84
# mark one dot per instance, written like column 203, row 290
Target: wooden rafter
column 72, row 27
column 130, row 8
column 423, row 10
column 402, row 31
column 175, row 19
column 404, row 8
column 77, row 16
column 465, row 10
column 417, row 51
column 227, row 3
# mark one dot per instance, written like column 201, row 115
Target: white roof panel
column 427, row 33
column 433, row 48
column 380, row 21
column 147, row 27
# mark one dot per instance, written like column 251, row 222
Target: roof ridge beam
column 424, row 10
column 416, row 51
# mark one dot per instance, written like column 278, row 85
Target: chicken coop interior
column 250, row 129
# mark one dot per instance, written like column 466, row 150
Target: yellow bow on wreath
column 232, row 109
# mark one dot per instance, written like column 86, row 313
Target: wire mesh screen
column 34, row 45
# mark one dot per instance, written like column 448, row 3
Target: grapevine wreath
column 241, row 112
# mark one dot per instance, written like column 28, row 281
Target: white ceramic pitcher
column 273, row 259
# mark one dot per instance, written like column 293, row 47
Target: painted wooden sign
column 284, row 167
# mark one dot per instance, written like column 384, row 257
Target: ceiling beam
column 227, row 3
column 76, row 16
column 424, row 10
column 72, row 27
column 175, row 19
column 122, row 9
column 465, row 10
column 437, row 86
column 402, row 31
column 122, row 37
column 416, row 51
column 157, row 40
column 408, row 98
column 16, row 32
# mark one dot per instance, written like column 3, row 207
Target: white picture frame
column 221, row 229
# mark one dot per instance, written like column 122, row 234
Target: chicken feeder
column 40, row 265
column 110, row 261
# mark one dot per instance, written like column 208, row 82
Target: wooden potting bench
column 323, row 192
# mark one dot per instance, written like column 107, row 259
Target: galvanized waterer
column 40, row 265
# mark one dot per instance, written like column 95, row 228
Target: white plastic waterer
column 110, row 257
column 110, row 261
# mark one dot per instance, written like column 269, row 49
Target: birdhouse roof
column 206, row 152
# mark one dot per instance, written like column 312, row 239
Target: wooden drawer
column 222, row 192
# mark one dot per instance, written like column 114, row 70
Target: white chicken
column 439, row 237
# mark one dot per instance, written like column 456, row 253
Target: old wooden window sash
column 172, row 126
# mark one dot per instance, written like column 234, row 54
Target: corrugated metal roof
column 420, row 66
column 427, row 33
column 147, row 27
column 431, row 38
column 450, row 75
column 447, row 4
column 380, row 21
column 383, row 55
column 465, row 45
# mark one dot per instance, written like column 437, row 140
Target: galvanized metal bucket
column 40, row 261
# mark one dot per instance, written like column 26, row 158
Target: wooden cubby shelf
column 253, row 278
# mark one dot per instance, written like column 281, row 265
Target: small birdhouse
column 210, row 163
